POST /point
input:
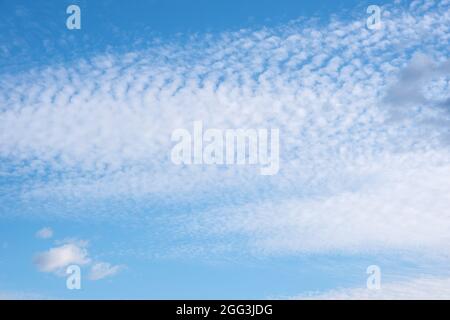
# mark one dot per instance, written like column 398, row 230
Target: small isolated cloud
column 55, row 259
column 44, row 233
column 73, row 251
column 102, row 270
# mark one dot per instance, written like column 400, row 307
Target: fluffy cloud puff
column 57, row 258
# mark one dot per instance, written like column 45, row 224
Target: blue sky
column 107, row 25
column 86, row 118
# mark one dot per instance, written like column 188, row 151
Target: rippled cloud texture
column 364, row 121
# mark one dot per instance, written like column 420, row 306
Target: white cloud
column 404, row 207
column 73, row 251
column 350, row 178
column 422, row 288
column 57, row 258
column 44, row 233
column 109, row 114
column 102, row 270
